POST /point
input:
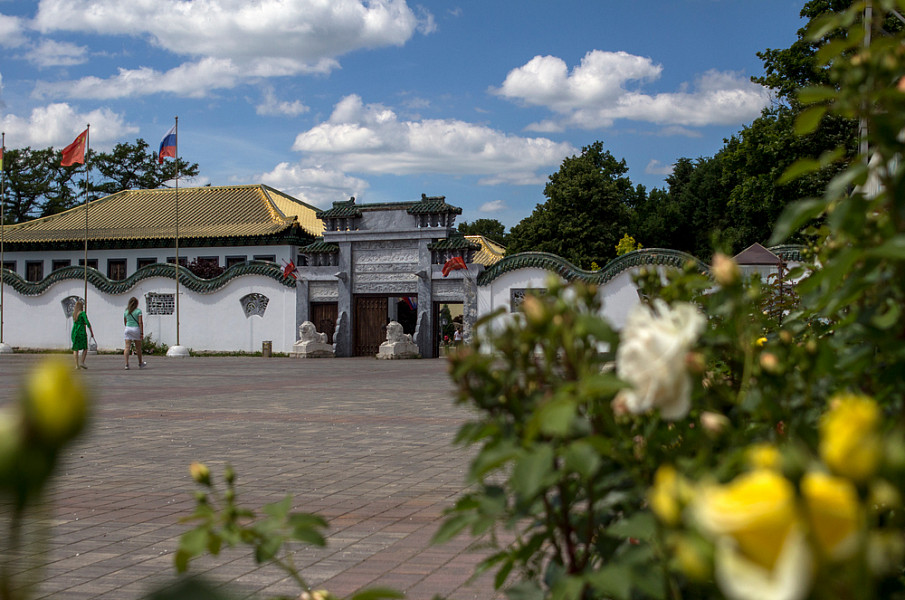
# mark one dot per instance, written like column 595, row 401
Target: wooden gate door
column 369, row 324
column 324, row 315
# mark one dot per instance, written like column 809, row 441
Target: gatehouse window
column 116, row 269
column 209, row 261
column 266, row 257
column 183, row 261
column 34, row 270
column 144, row 262
column 232, row 261
column 59, row 264
column 10, row 265
column 92, row 263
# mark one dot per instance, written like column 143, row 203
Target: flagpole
column 177, row 229
column 87, row 144
column 3, row 347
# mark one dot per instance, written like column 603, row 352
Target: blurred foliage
column 739, row 437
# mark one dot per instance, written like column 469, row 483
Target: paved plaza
column 367, row 444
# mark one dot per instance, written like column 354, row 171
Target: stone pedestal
column 398, row 344
column 311, row 344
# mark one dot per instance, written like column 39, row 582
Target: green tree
column 588, row 208
column 30, row 177
column 134, row 166
column 489, row 228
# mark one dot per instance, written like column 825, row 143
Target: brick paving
column 367, row 444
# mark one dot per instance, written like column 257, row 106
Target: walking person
column 79, row 336
column 134, row 332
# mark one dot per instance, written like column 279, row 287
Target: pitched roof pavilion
column 204, row 212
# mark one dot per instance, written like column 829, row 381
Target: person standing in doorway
column 79, row 335
column 134, row 332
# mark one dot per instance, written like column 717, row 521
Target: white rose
column 651, row 357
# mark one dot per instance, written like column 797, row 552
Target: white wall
column 213, row 321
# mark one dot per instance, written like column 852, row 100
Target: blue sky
column 477, row 100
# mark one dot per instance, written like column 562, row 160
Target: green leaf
column 491, row 458
column 376, row 594
column 453, row 526
column 889, row 317
column 582, row 458
column 194, row 541
column 279, row 509
column 555, row 418
column 794, row 216
column 613, row 580
column 181, row 560
column 641, row 525
column 817, row 93
column 809, row 119
column 567, row 588
column 526, row 590
column 893, row 248
column 798, row 169
column 533, row 470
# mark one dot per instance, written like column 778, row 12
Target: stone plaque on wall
column 449, row 290
column 160, row 304
column 323, row 291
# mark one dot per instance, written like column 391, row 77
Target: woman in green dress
column 79, row 336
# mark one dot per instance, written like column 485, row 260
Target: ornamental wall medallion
column 68, row 304
column 160, row 304
column 254, row 304
column 517, row 296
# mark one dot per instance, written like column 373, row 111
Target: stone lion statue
column 395, row 333
column 308, row 333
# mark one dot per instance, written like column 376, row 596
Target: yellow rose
column 200, row 473
column 757, row 510
column 56, row 406
column 849, row 442
column 761, row 552
column 668, row 495
column 763, row 456
column 833, row 513
column 725, row 270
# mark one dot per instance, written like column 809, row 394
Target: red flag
column 453, row 264
column 289, row 270
column 74, row 153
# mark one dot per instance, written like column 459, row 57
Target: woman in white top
column 135, row 331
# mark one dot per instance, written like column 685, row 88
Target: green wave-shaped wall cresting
column 638, row 258
column 186, row 278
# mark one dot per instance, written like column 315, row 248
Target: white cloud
column 494, row 206
column 313, row 185
column 12, row 32
column 57, row 125
column 655, row 167
column 607, row 86
column 50, row 53
column 192, row 80
column 270, row 106
column 267, row 38
column 371, row 139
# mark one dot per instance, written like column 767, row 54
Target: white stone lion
column 396, row 335
column 308, row 333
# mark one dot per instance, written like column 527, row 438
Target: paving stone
column 367, row 444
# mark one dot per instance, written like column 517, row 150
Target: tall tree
column 586, row 213
column 135, row 166
column 29, row 181
column 489, row 228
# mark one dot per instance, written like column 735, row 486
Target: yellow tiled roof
column 490, row 252
column 204, row 212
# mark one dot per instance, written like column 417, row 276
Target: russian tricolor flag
column 167, row 145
